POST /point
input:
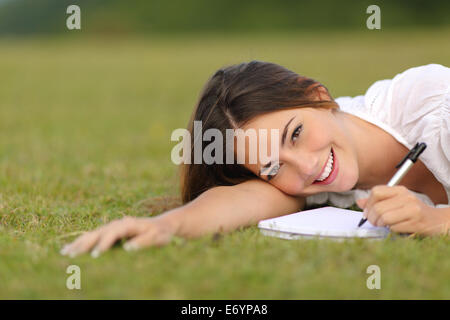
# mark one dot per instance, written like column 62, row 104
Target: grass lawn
column 85, row 130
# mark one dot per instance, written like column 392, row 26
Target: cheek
column 321, row 137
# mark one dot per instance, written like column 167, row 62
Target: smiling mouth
column 327, row 169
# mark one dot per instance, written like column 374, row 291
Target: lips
column 333, row 174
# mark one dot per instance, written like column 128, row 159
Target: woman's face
column 309, row 139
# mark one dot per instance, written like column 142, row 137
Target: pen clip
column 413, row 154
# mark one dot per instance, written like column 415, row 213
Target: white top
column 413, row 107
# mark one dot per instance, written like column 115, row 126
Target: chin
column 345, row 181
column 349, row 183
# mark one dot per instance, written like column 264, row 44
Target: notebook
column 326, row 222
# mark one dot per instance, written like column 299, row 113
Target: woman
column 340, row 151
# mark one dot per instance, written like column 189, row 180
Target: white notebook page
column 322, row 222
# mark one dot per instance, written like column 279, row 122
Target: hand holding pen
column 404, row 165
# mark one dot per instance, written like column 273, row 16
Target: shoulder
column 410, row 88
column 419, row 84
column 435, row 73
column 419, row 101
column 418, row 97
column 416, row 94
column 413, row 106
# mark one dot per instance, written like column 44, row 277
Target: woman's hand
column 400, row 210
column 142, row 232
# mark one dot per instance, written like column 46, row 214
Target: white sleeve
column 419, row 109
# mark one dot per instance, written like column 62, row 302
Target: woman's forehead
column 274, row 119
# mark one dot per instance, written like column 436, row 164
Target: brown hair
column 233, row 96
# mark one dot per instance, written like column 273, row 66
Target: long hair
column 233, row 96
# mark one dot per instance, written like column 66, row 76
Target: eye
column 296, row 132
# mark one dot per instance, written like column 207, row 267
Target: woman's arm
column 227, row 208
column 220, row 209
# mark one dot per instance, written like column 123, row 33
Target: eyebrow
column 283, row 138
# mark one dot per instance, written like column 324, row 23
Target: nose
column 305, row 164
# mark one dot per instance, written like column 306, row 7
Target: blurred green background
column 180, row 16
column 85, row 123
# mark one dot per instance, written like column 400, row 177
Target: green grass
column 85, row 138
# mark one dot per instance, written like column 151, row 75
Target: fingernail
column 130, row 246
column 95, row 253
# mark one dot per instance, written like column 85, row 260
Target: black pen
column 404, row 165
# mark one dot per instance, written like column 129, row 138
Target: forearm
column 223, row 209
column 219, row 209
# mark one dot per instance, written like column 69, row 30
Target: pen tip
column 361, row 222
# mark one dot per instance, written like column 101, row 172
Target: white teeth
column 328, row 168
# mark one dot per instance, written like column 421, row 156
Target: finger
column 85, row 243
column 150, row 238
column 376, row 213
column 88, row 238
column 411, row 225
column 393, row 217
column 405, row 226
column 71, row 249
column 382, row 192
column 124, row 228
